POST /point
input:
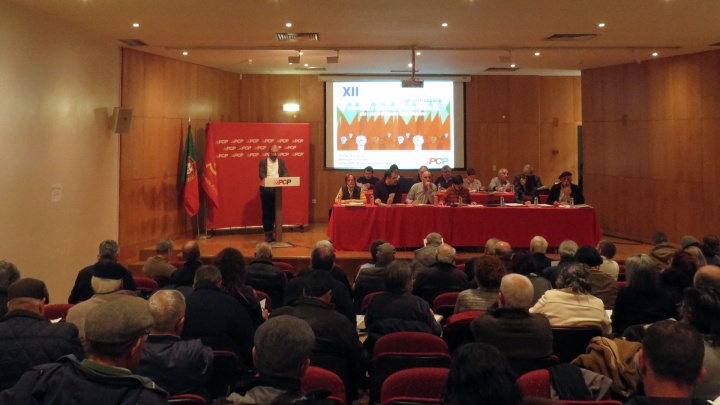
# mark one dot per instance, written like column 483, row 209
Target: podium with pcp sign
column 277, row 184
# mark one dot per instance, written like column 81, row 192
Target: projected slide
column 381, row 123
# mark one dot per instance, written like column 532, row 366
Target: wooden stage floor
column 303, row 242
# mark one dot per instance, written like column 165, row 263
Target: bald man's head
column 707, row 276
column 503, row 249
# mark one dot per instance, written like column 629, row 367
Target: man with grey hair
column 263, row 275
column 184, row 276
column 158, row 267
column 9, row 274
column 107, row 283
column 337, row 272
column 567, row 252
column 424, row 257
column 511, row 326
column 116, row 333
column 177, row 366
column 527, row 170
column 282, row 356
column 107, row 252
column 27, row 338
column 370, row 280
column 504, row 252
column 538, row 250
column 443, row 276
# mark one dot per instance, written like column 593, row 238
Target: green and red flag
column 209, row 173
column 189, row 178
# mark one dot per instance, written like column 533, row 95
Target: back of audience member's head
column 503, row 250
column 9, row 274
column 538, row 244
column 164, row 245
column 433, row 238
column 479, row 374
column 385, row 255
column 374, row 248
column 108, row 250
column 112, row 330
column 697, row 255
column 457, row 179
column 587, row 254
column 107, row 277
column 680, row 364
column 263, row 251
column 517, row 291
column 710, row 245
column 489, row 271
column 687, row 241
column 607, row 249
column 575, row 276
column 28, row 294
column 681, row 271
column 231, row 263
column 324, row 243
column 396, row 276
column 707, row 276
column 191, row 251
column 207, row 275
column 490, row 246
column 282, row 347
column 522, row 263
column 659, row 237
column 701, row 309
column 445, row 253
column 322, row 258
column 642, row 274
column 567, row 250
column 167, row 308
column 317, row 284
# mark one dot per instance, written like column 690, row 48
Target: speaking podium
column 278, row 183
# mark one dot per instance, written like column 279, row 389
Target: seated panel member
column 387, row 190
column 424, row 192
column 528, row 170
column 525, row 192
column 562, row 192
column 350, row 193
column 368, row 181
column 501, row 183
column 443, row 182
column 471, row 183
column 457, row 193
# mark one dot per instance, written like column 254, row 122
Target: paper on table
column 262, row 304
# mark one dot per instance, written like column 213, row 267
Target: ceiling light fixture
column 601, row 25
column 410, row 65
column 306, row 65
column 288, row 24
column 654, row 54
column 444, row 24
column 185, row 53
column 334, row 59
column 300, row 53
column 537, row 53
column 291, row 107
column 418, row 53
column 136, row 25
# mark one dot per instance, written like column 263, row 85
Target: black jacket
column 388, row 313
column 517, row 333
column 185, row 275
column 264, row 276
column 28, row 339
column 82, row 290
column 340, row 294
column 575, row 193
column 220, row 321
column 71, row 382
column 369, row 280
column 439, row 278
column 177, row 366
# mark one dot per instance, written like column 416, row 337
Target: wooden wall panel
column 524, row 99
column 494, row 98
column 650, row 142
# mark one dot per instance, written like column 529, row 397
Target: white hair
column 517, row 290
column 538, row 244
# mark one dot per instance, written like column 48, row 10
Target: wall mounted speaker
column 121, row 119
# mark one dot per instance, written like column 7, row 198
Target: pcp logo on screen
column 437, row 161
column 283, row 182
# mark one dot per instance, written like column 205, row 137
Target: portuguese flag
column 189, row 178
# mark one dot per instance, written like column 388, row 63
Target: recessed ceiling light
column 537, row 53
column 300, row 53
column 289, row 24
column 306, row 65
column 444, row 24
column 185, row 53
column 654, row 54
column 601, row 25
column 418, row 53
column 512, row 65
column 136, row 25
column 409, row 64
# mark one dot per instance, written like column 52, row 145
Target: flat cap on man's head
column 564, row 174
column 118, row 321
column 688, row 241
column 109, row 269
column 28, row 288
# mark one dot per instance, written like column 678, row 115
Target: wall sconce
column 291, row 107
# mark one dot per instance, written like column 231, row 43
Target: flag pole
column 197, row 220
column 205, row 236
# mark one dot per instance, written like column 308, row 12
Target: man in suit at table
column 270, row 167
column 564, row 191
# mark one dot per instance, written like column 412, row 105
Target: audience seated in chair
column 373, row 257
column 263, row 275
column 567, row 251
column 158, row 267
column 83, row 290
column 177, row 366
column 489, row 270
column 231, row 263
column 523, row 264
column 602, row 285
column 185, row 275
column 441, row 277
column 609, row 266
column 27, row 339
column 9, row 274
column 424, row 257
column 115, row 335
column 370, row 279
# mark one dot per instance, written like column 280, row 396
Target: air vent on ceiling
column 501, row 69
column 133, row 42
column 314, row 68
column 570, row 37
column 300, row 36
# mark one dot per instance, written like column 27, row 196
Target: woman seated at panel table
column 350, row 192
column 525, row 193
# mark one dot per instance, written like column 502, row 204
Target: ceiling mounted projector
column 413, row 83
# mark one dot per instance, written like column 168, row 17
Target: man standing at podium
column 271, row 167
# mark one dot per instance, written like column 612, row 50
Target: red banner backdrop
column 238, row 148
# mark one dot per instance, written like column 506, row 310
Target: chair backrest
column 145, row 285
column 186, row 399
column 621, row 285
column 226, row 366
column 601, row 402
column 415, row 385
column 522, row 366
column 339, row 366
column 287, row 268
column 55, row 311
column 461, row 266
column 403, row 350
column 456, row 330
column 444, row 304
column 535, row 383
column 366, row 301
column 571, row 341
column 263, row 296
column 317, row 378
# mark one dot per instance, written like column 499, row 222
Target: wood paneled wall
column 651, row 145
column 510, row 121
column 163, row 93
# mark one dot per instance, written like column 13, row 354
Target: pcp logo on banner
column 437, row 161
column 283, row 182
